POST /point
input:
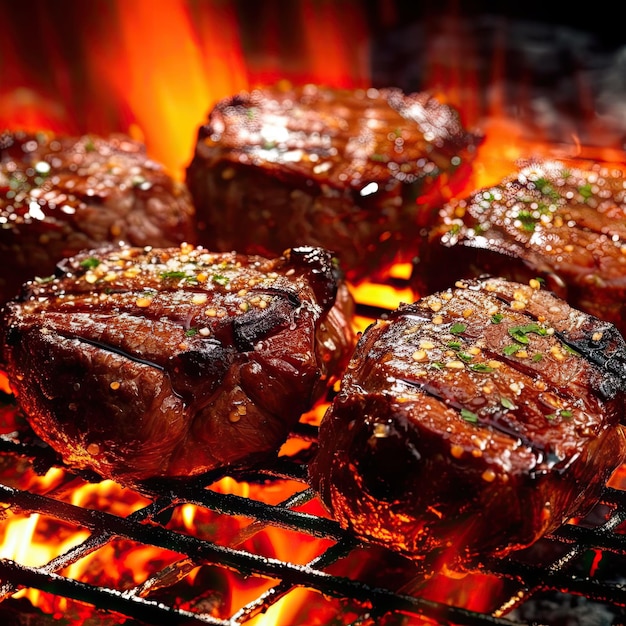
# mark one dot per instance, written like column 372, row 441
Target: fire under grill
column 571, row 574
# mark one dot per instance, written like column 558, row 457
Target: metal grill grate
column 581, row 560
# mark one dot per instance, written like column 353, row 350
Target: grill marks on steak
column 146, row 362
column 562, row 221
column 334, row 168
column 60, row 195
column 467, row 426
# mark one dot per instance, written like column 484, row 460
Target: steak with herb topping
column 60, row 195
column 563, row 222
column 336, row 168
column 473, row 422
column 169, row 362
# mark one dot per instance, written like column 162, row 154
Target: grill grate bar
column 602, row 537
column 552, row 576
column 230, row 504
column 103, row 598
column 83, row 549
column 381, row 601
column 271, row 596
column 182, row 567
column 376, row 599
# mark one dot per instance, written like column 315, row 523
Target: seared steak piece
column 60, row 195
column 150, row 362
column 559, row 221
column 317, row 166
column 473, row 422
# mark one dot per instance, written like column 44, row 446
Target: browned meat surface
column 562, row 222
column 311, row 165
column 168, row 362
column 60, row 195
column 472, row 422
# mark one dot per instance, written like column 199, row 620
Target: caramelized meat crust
column 137, row 363
column 60, row 195
column 473, row 422
column 334, row 168
column 559, row 221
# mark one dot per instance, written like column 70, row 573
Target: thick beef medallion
column 60, row 195
column 473, row 422
column 138, row 363
column 337, row 168
column 563, row 222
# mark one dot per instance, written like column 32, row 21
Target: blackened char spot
column 603, row 346
column 411, row 311
column 196, row 373
column 251, row 327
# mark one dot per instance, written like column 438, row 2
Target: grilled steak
column 562, row 222
column 60, row 195
column 472, row 422
column 317, row 166
column 138, row 363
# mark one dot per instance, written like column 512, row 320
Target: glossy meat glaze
column 472, row 422
column 341, row 169
column 138, row 363
column 563, row 222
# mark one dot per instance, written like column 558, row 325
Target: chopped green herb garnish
column 537, row 357
column 455, row 229
column 469, row 416
column 436, row 365
column 173, row 274
column 559, row 413
column 509, row 350
column 458, row 328
column 191, row 332
column 480, row 367
column 90, row 263
column 455, row 345
column 465, row 357
column 542, row 183
column 506, row 403
column 497, row 318
column 527, row 220
column 519, row 332
column 545, row 187
column 220, row 279
column 586, row 191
